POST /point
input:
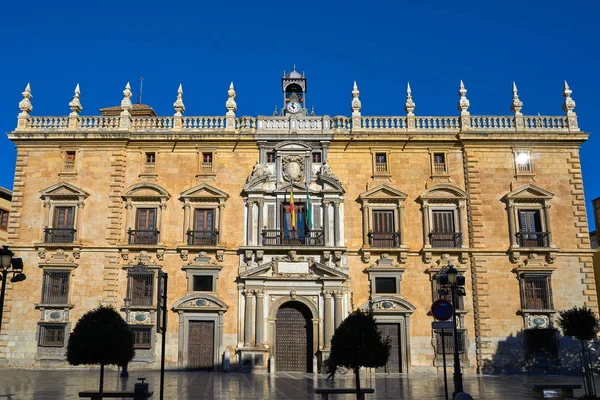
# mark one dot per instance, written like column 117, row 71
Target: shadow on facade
column 525, row 352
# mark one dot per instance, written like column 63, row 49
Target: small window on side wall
column 202, row 283
column 385, row 285
column 439, row 163
column 523, row 163
column 69, row 162
column 271, row 158
column 4, row 219
column 51, row 335
column 381, row 163
column 316, row 158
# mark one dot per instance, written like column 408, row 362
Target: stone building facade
column 5, row 198
column 380, row 205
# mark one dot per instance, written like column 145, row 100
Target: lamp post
column 456, row 282
column 127, row 301
column 9, row 264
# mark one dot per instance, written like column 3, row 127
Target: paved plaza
column 187, row 385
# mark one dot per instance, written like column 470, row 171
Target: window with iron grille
column 381, row 165
column 51, row 335
column 539, row 342
column 55, row 288
column 385, row 285
column 69, row 161
column 444, row 292
column 536, row 293
column 4, row 219
column 448, row 338
column 316, row 158
column 141, row 288
column 203, row 283
column 271, row 158
column 142, row 337
column 439, row 163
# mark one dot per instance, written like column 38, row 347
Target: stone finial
column 25, row 105
column 463, row 103
column 275, row 112
column 517, row 104
column 75, row 104
column 126, row 102
column 356, row 104
column 230, row 104
column 409, row 106
column 178, row 105
column 568, row 104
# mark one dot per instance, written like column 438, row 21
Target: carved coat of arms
column 293, row 168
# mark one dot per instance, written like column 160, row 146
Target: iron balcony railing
column 280, row 237
column 445, row 239
column 138, row 236
column 533, row 239
column 59, row 235
column 384, row 239
column 202, row 238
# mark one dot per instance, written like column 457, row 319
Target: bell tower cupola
column 294, row 93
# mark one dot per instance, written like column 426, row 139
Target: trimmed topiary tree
column 102, row 337
column 358, row 343
column 583, row 324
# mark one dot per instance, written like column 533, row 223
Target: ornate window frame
column 62, row 194
column 201, row 265
column 144, row 195
column 385, row 267
column 149, row 170
column 65, row 171
column 439, row 174
column 528, row 172
column 374, row 152
column 205, row 170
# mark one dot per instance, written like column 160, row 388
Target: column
column 248, row 318
column 260, row 318
column 186, row 219
column 366, row 211
column 426, row 224
column 249, row 222
column 326, row 222
column 261, row 206
column 337, row 226
column 464, row 222
column 328, row 320
column 547, row 221
column 338, row 309
column 511, row 223
column 220, row 223
column 401, row 224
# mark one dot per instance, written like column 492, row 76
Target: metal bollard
column 140, row 391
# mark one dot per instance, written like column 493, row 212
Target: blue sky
column 380, row 44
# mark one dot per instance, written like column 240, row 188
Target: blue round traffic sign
column 442, row 310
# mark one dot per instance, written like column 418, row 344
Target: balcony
column 138, row 236
column 59, row 235
column 202, row 238
column 279, row 237
column 445, row 239
column 533, row 239
column 384, row 239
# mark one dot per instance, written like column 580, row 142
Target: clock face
column 293, row 107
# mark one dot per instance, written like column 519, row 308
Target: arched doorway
column 293, row 338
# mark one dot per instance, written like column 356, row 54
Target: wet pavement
column 187, row 385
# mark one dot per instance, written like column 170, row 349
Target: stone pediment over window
column 204, row 192
column 389, row 304
column 146, row 191
column 292, row 146
column 302, row 268
column 329, row 183
column 285, row 189
column 200, row 303
column 529, row 192
column 442, row 192
column 63, row 191
column 382, row 193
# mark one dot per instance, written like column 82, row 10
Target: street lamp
column 450, row 277
column 9, row 264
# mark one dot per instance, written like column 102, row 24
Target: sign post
column 442, row 311
column 161, row 323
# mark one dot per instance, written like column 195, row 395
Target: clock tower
column 294, row 93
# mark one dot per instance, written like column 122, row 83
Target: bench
column 565, row 390
column 325, row 392
column 95, row 395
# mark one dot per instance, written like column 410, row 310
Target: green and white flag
column 308, row 211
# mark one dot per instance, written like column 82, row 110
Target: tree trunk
column 357, row 375
column 101, row 390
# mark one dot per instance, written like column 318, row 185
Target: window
column 69, row 164
column 523, row 163
column 142, row 337
column 150, row 162
column 141, row 288
column 443, row 292
column 204, row 232
column 270, row 157
column 530, row 229
column 207, row 162
column 384, row 233
column 381, row 165
column 145, row 227
column 540, row 343
column 443, row 233
column 62, row 230
column 316, row 158
column 439, row 163
column 385, row 285
column 448, row 338
column 55, row 287
column 4, row 219
column 51, row 335
column 203, row 283
column 536, row 292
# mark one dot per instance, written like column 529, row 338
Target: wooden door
column 392, row 331
column 201, row 345
column 293, row 339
